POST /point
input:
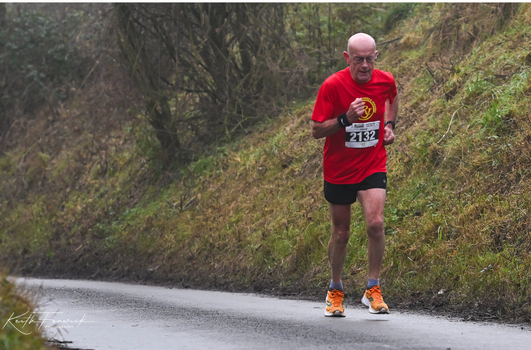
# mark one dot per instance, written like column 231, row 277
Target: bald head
column 361, row 41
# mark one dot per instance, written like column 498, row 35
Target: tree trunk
column 134, row 55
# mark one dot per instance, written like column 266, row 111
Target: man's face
column 361, row 62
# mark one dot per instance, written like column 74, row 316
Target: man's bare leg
column 337, row 246
column 373, row 202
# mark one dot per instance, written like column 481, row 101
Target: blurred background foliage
column 208, row 71
column 205, row 72
column 43, row 52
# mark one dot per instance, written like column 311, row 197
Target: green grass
column 468, row 236
column 13, row 335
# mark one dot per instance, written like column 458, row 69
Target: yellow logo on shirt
column 370, row 108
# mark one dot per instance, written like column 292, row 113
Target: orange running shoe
column 374, row 300
column 334, row 304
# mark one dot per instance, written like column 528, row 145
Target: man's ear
column 346, row 56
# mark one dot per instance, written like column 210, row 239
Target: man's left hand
column 389, row 135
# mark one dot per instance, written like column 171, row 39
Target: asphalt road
column 100, row 315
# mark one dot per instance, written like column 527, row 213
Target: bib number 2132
column 362, row 135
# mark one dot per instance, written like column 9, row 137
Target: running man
column 356, row 110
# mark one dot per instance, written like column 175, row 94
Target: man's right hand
column 356, row 110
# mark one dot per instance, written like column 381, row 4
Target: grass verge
column 18, row 330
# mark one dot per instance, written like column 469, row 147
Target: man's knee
column 340, row 236
column 375, row 228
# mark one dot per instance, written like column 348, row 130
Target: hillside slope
column 458, row 206
column 250, row 215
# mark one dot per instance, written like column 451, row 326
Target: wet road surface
column 102, row 315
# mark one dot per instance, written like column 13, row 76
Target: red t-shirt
column 353, row 153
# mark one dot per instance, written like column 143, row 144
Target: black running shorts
column 346, row 194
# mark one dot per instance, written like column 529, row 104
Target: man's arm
column 331, row 126
column 391, row 110
column 391, row 113
column 325, row 129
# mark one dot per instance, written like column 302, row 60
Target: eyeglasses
column 358, row 59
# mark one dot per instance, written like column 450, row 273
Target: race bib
column 362, row 135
